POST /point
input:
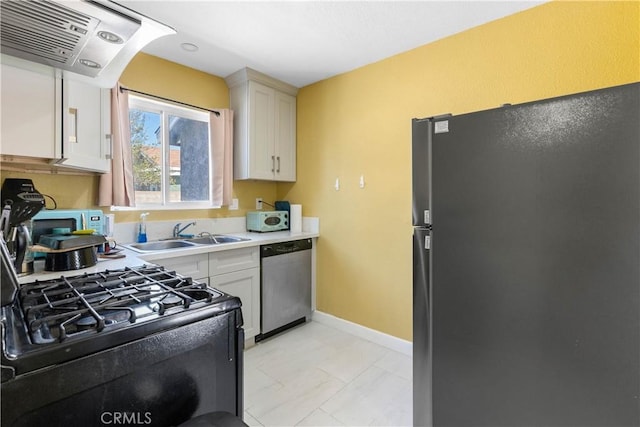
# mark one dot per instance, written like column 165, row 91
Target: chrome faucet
column 177, row 231
column 209, row 235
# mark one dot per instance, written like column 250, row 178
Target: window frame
column 166, row 109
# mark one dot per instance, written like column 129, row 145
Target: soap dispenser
column 142, row 228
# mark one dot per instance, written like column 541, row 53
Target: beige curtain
column 116, row 188
column 221, row 128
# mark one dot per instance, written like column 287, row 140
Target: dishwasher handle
column 282, row 248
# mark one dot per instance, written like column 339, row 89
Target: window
column 171, row 154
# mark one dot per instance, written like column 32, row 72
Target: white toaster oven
column 267, row 221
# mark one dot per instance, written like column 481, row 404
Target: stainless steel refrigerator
column 527, row 264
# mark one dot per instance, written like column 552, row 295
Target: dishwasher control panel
column 284, row 247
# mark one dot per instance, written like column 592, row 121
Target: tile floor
column 315, row 375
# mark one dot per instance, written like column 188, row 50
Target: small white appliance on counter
column 267, row 221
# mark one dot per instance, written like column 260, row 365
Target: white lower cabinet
column 234, row 271
column 237, row 272
column 244, row 284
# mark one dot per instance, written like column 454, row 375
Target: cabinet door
column 86, row 142
column 30, row 112
column 262, row 160
column 194, row 266
column 244, row 284
column 285, row 137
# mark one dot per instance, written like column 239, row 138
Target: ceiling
column 302, row 42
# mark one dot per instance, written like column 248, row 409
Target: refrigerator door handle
column 422, row 353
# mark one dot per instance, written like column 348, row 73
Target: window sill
column 177, row 207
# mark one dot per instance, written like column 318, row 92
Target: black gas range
column 141, row 344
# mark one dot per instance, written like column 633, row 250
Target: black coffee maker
column 21, row 202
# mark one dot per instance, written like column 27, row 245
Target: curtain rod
column 217, row 113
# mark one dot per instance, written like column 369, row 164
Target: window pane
column 189, row 160
column 146, row 151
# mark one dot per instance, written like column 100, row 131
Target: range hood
column 91, row 39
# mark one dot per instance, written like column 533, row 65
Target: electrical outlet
column 258, row 203
column 234, row 205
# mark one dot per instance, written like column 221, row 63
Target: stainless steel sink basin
column 162, row 245
column 216, row 239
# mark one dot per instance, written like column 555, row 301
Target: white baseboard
column 380, row 338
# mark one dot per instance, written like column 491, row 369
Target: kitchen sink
column 163, row 245
column 216, row 239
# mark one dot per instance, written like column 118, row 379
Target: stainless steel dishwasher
column 285, row 286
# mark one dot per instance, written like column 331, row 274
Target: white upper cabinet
column 86, row 130
column 50, row 118
column 30, row 122
column 264, row 126
column 285, row 137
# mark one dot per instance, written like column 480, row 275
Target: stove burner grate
column 58, row 309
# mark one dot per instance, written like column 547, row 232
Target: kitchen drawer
column 194, row 266
column 233, row 260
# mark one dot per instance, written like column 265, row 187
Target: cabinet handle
column 73, row 125
column 278, row 164
column 273, row 163
column 109, row 143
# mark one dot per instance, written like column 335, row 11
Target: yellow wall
column 359, row 123
column 166, row 79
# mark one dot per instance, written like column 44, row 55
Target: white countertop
column 255, row 239
column 133, row 258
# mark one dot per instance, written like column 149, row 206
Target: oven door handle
column 231, row 338
column 7, row 373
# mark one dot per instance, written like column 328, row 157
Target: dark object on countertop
column 283, row 205
column 111, row 255
column 21, row 202
column 8, row 277
column 70, row 241
column 25, row 200
column 215, row 419
column 73, row 259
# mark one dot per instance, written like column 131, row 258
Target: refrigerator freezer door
column 421, row 328
column 535, row 264
column 421, row 170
